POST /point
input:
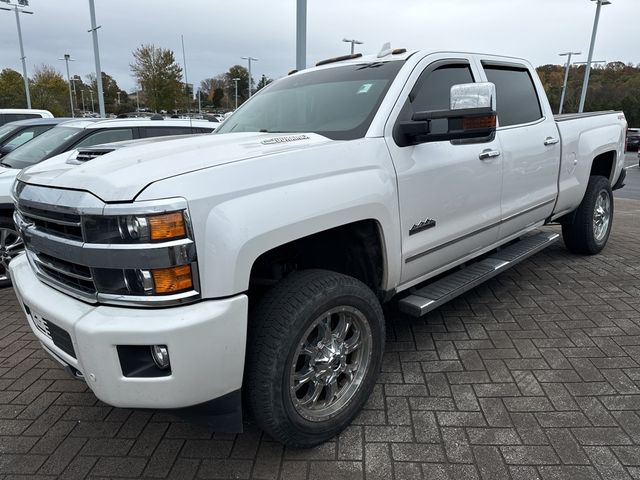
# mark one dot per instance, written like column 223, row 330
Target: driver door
column 449, row 191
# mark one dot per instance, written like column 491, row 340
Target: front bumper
column 206, row 343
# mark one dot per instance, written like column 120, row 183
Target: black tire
column 278, row 328
column 578, row 230
column 6, row 224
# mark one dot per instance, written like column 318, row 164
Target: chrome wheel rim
column 330, row 363
column 10, row 246
column 601, row 216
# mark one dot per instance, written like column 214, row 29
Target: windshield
column 7, row 129
column 40, row 147
column 339, row 103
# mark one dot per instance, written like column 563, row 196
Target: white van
column 12, row 114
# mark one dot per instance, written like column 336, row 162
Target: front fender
column 241, row 210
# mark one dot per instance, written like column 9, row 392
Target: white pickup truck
column 255, row 260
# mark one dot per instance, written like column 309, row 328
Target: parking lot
column 533, row 375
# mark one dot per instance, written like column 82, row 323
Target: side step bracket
column 421, row 301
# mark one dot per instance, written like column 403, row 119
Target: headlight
column 152, row 229
column 135, row 228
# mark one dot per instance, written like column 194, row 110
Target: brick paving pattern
column 534, row 375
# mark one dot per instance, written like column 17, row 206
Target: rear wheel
column 10, row 246
column 587, row 229
column 314, row 352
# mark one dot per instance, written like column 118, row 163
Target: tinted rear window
column 516, row 95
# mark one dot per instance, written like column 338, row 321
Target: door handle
column 551, row 141
column 488, row 154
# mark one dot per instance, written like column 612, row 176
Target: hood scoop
column 85, row 154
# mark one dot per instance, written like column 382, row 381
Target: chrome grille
column 70, row 274
column 55, row 223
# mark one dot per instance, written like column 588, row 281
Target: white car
column 253, row 262
column 13, row 114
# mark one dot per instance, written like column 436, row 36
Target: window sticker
column 365, row 88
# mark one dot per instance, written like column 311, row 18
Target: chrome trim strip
column 476, row 232
column 27, row 214
column 528, row 210
column 149, row 301
column 146, row 256
column 46, row 264
column 145, row 207
column 58, row 200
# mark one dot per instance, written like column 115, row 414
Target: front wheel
column 587, row 229
column 10, row 246
column 315, row 349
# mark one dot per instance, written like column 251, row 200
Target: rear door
column 530, row 145
column 449, row 196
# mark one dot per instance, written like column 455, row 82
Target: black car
column 14, row 134
column 633, row 139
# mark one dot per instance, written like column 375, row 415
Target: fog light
column 160, row 355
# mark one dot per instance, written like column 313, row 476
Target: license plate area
column 59, row 336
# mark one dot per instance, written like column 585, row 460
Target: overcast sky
column 217, row 33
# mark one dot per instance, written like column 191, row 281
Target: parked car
column 633, row 139
column 86, row 132
column 68, row 136
column 249, row 266
column 14, row 134
column 13, row 114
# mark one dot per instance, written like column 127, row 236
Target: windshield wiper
column 5, row 165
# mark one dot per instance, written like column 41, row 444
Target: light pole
column 249, row 60
column 236, row 80
column 67, row 58
column 566, row 77
column 18, row 8
column 352, row 42
column 96, row 54
column 84, row 110
column 301, row 35
column 118, row 94
column 587, row 72
column 93, row 105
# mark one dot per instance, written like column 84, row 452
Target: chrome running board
column 422, row 300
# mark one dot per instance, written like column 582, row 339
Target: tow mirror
column 472, row 115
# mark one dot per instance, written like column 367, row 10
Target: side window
column 106, row 136
column 434, row 87
column 517, row 98
column 164, row 131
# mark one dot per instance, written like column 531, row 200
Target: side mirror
column 472, row 115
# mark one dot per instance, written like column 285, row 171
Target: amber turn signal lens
column 167, row 226
column 172, row 280
column 479, row 122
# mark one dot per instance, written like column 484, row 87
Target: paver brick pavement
column 533, row 375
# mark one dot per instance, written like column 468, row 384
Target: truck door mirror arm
column 472, row 115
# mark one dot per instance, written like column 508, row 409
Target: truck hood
column 120, row 175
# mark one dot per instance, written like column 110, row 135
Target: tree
column 110, row 88
column 612, row 87
column 159, row 75
column 213, row 90
column 49, row 91
column 11, row 89
column 264, row 81
column 237, row 71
